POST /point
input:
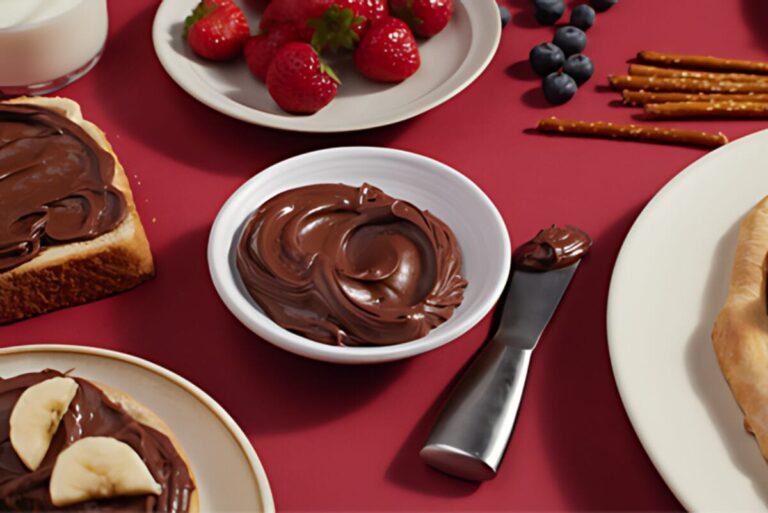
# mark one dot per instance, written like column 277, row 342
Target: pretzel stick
column 654, row 71
column 707, row 110
column 685, row 85
column 631, row 132
column 643, row 97
column 703, row 62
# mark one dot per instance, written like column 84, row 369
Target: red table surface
column 347, row 438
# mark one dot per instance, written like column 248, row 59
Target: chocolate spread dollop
column 55, row 184
column 350, row 266
column 552, row 248
column 90, row 413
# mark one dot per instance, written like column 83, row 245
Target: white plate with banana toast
column 223, row 468
column 697, row 249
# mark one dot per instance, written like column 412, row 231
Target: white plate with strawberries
column 421, row 77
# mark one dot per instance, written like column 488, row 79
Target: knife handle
column 473, row 429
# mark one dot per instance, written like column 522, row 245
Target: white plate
column 450, row 62
column 669, row 283
column 428, row 184
column 228, row 473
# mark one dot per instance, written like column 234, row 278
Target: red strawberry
column 371, row 10
column 326, row 27
column 217, row 30
column 336, row 28
column 299, row 81
column 295, row 13
column 260, row 50
column 425, row 17
column 388, row 51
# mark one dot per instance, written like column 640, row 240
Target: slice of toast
column 76, row 273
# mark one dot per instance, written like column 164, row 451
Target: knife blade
column 472, row 431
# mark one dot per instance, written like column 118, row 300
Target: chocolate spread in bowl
column 350, row 266
column 55, row 184
column 90, row 413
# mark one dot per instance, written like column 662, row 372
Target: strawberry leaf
column 333, row 30
column 203, row 9
column 324, row 68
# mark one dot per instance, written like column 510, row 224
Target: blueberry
column 603, row 5
column 547, row 12
column 570, row 39
column 559, row 88
column 583, row 16
column 546, row 58
column 579, row 67
column 506, row 17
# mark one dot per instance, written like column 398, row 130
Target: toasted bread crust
column 740, row 334
column 148, row 417
column 80, row 272
column 78, row 280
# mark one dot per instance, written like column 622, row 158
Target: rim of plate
column 259, row 475
column 485, row 41
column 242, row 309
column 612, row 322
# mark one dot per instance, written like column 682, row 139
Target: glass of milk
column 47, row 44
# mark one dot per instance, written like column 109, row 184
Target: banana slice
column 99, row 467
column 36, row 417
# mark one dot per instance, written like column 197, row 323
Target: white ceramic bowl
column 428, row 184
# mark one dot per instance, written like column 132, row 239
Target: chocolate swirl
column 55, row 184
column 350, row 266
column 552, row 248
column 90, row 413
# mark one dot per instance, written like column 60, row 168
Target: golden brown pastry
column 740, row 335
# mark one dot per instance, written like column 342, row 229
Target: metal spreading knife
column 473, row 429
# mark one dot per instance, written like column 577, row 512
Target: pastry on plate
column 67, row 443
column 740, row 335
column 69, row 229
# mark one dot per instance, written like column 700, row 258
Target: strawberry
column 425, row 17
column 336, row 28
column 298, row 80
column 371, row 10
column 328, row 24
column 216, row 30
column 388, row 51
column 260, row 50
column 295, row 13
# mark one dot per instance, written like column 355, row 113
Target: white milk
column 46, row 44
